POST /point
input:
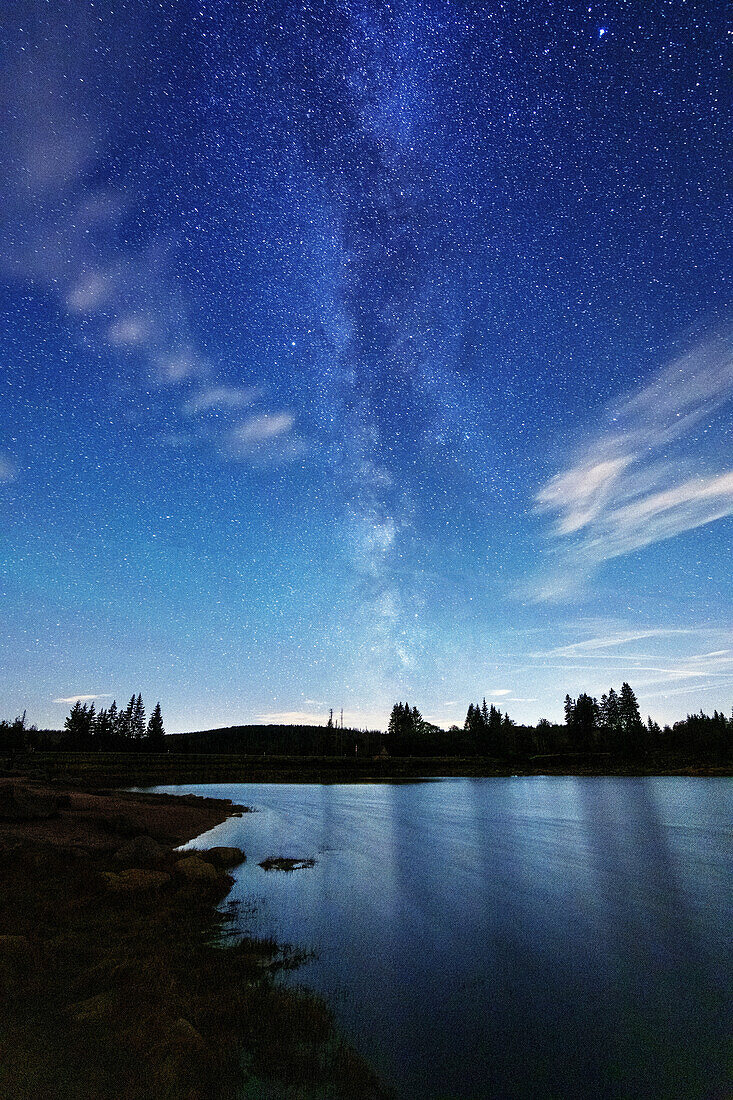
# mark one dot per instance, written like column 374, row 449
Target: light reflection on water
column 521, row 937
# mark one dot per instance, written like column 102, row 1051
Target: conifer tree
column 630, row 723
column 138, row 719
column 156, row 732
column 114, row 722
column 125, row 723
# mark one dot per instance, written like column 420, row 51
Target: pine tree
column 583, row 722
column 102, row 730
column 156, row 732
column 125, row 723
column 79, row 725
column 631, row 725
column 138, row 719
column 114, row 722
column 405, row 721
column 74, row 723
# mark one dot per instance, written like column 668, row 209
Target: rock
column 183, row 1037
column 136, row 880
column 285, row 863
column 196, row 870
column 118, row 823
column 222, row 857
column 80, row 801
column 143, row 851
column 23, row 804
column 17, row 962
column 99, row 1009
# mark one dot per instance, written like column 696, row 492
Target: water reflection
column 508, row 937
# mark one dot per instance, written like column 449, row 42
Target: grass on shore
column 130, row 996
column 95, row 771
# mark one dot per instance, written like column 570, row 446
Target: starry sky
column 356, row 351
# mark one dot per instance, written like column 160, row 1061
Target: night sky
column 354, row 352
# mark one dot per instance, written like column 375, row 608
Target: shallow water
column 521, row 937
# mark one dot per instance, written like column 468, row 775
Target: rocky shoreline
column 115, row 977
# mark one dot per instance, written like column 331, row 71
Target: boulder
column 100, row 1009
column 182, row 1037
column 136, row 880
column 17, row 962
column 198, row 871
column 24, row 804
column 285, row 863
column 223, row 857
column 143, row 851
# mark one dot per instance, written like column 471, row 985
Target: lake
column 509, row 938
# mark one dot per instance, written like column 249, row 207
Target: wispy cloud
column 646, row 475
column 613, row 656
column 83, row 698
column 265, row 426
column 297, row 717
column 215, row 398
column 266, row 437
column 61, row 226
column 612, row 640
column 7, row 469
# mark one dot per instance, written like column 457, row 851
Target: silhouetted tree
column 79, row 725
column 583, row 721
column 632, row 727
column 102, row 731
column 405, row 722
column 13, row 735
column 124, row 724
column 156, row 732
column 137, row 725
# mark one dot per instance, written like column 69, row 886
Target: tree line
column 611, row 725
column 86, row 729
column 114, row 729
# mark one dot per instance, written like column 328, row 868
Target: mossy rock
column 223, row 857
column 195, row 870
column 142, row 851
column 136, row 880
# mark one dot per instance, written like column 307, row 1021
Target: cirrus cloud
column 645, row 476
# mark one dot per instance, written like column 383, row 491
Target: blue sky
column 356, row 352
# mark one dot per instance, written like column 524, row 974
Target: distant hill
column 279, row 740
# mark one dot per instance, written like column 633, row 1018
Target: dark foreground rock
column 197, row 871
column 136, row 880
column 20, row 803
column 115, row 983
column 221, row 857
column 284, row 863
column 143, row 851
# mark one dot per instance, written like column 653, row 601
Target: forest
column 86, row 729
column 612, row 726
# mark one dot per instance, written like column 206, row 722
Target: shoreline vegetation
column 101, row 771
column 117, row 977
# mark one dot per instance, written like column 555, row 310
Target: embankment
column 114, row 977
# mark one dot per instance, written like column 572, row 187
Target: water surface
column 509, row 938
